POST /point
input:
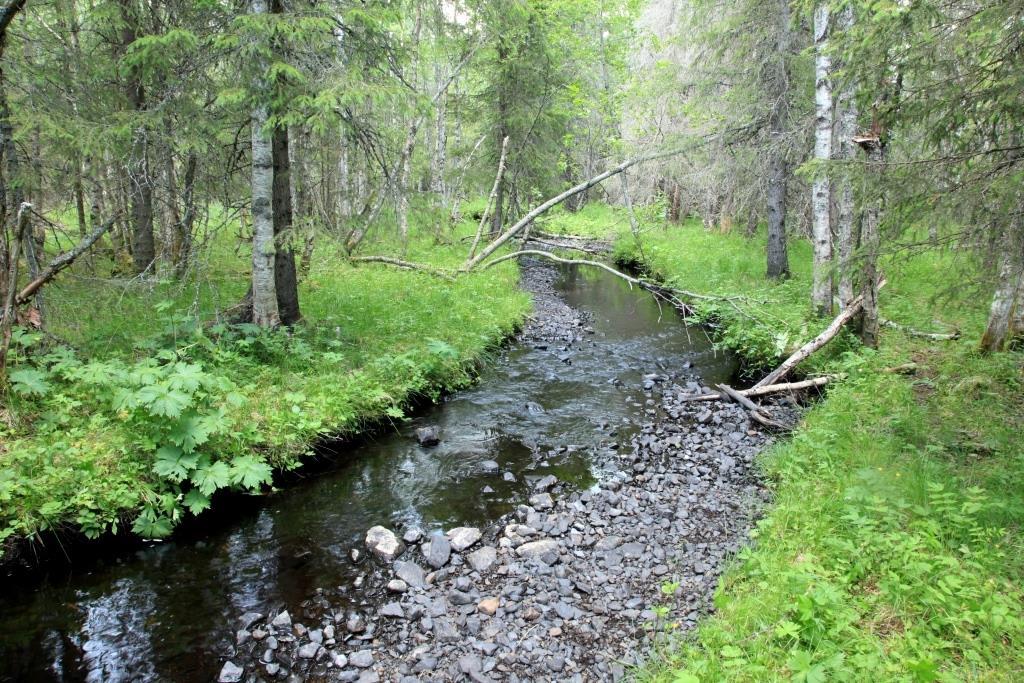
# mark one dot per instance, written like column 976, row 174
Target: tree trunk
column 821, row 197
column 140, row 183
column 285, row 279
column 870, row 241
column 778, row 259
column 1006, row 317
column 846, row 129
column 183, row 229
column 264, row 292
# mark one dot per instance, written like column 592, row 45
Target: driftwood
column 757, row 413
column 810, row 347
column 763, row 391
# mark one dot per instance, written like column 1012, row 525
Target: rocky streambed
column 572, row 585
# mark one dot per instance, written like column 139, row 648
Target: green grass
column 153, row 404
column 892, row 550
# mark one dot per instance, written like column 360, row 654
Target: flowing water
column 166, row 611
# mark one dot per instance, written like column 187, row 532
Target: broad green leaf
column 196, row 501
column 29, row 382
column 250, row 472
column 210, row 477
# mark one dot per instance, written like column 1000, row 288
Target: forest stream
column 579, row 395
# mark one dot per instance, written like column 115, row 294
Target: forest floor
column 892, row 550
column 151, row 390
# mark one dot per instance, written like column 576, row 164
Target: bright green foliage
column 155, row 413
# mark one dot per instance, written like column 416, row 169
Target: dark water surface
column 167, row 612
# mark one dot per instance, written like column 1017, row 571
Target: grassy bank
column 893, row 548
column 149, row 405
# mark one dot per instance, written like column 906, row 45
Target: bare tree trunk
column 870, row 242
column 183, row 229
column 1006, row 313
column 821, row 196
column 141, row 186
column 264, row 293
column 778, row 259
column 846, row 129
column 285, row 278
column 21, row 235
column 777, row 256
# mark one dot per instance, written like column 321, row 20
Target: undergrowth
column 150, row 404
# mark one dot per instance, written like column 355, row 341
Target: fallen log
column 763, row 391
column 756, row 413
column 934, row 336
column 810, row 347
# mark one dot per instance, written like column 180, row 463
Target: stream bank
column 573, row 584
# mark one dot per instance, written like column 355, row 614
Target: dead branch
column 63, row 261
column 810, row 347
column 407, row 265
column 490, row 199
column 756, row 413
column 935, row 336
column 560, row 245
column 763, row 391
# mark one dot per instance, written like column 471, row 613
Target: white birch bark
column 821, row 193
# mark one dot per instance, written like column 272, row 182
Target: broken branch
column 810, row 347
column 756, row 412
column 764, row 391
column 63, row 261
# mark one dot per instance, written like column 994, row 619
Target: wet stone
column 383, row 543
column 437, row 551
column 463, row 537
column 230, row 673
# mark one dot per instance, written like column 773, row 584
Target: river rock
column 309, row 650
column 490, row 466
column 411, row 573
column 437, row 551
column 362, row 659
column 383, row 543
column 246, row 621
column 463, row 537
column 412, row 535
column 482, row 559
column 542, row 501
column 230, row 673
column 545, row 550
column 428, row 436
column 392, row 610
column 545, row 483
column 282, row 620
column 397, row 586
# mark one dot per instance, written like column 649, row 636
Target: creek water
column 167, row 611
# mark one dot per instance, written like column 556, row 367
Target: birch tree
column 821, row 198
